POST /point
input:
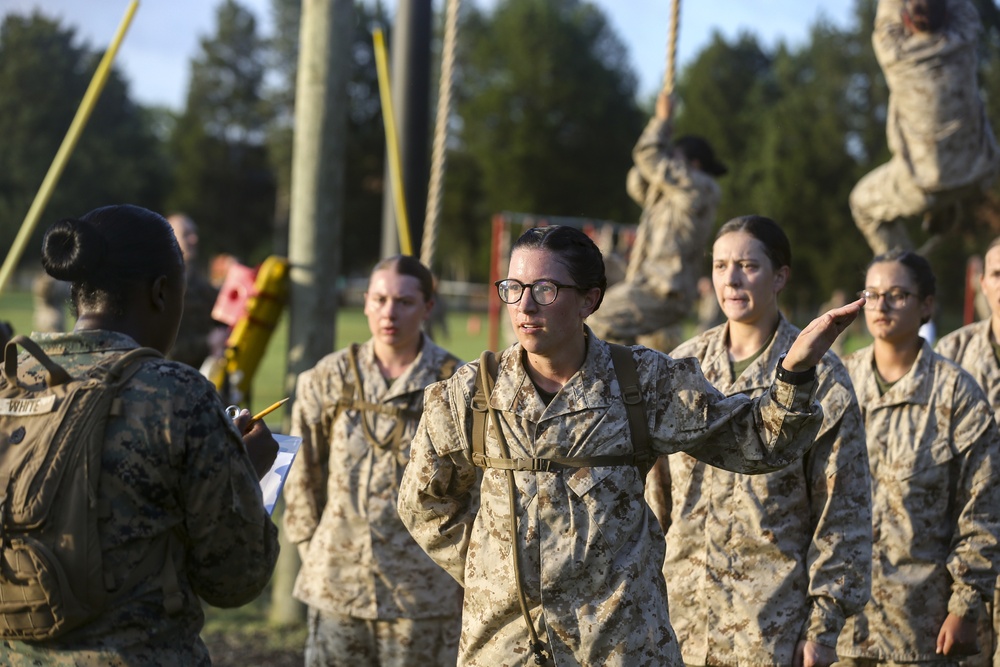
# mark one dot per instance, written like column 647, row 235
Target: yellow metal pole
column 392, row 142
column 65, row 150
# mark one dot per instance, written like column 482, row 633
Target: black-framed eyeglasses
column 543, row 292
column 894, row 298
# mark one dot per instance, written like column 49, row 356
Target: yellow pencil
column 268, row 410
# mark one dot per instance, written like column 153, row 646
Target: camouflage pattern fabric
column 935, row 455
column 191, row 347
column 679, row 204
column 971, row 348
column 358, row 559
column 173, row 463
column 755, row 563
column 942, row 146
column 400, row 642
column 590, row 546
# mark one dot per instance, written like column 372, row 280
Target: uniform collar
column 913, row 388
column 589, row 388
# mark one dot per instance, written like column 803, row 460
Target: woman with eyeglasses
column 786, row 556
column 561, row 559
column 935, row 456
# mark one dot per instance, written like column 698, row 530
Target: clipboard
column 272, row 482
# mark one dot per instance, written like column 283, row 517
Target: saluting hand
column 813, row 342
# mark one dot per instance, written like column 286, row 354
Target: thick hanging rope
column 435, row 190
column 675, row 22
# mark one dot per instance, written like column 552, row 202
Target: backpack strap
column 485, row 379
column 56, row 374
column 628, row 381
column 357, row 402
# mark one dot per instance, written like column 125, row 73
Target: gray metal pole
column 410, row 72
column 318, row 164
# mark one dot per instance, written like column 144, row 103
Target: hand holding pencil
column 257, row 439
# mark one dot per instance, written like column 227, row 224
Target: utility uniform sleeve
column 840, row 553
column 438, row 496
column 654, row 161
column 305, row 487
column 734, row 433
column 974, row 550
column 233, row 544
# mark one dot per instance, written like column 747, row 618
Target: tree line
column 545, row 118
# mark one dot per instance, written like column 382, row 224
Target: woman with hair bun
column 179, row 477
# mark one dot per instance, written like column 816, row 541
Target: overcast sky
column 164, row 34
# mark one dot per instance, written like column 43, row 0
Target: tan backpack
column 51, row 440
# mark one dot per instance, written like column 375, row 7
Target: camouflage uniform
column 971, row 348
column 943, row 149
column 175, row 472
column 757, row 562
column 679, row 203
column 358, row 560
column 935, row 455
column 590, row 546
column 191, row 347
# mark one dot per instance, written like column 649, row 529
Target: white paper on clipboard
column 272, row 483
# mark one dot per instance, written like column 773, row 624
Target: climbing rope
column 428, row 246
column 675, row 21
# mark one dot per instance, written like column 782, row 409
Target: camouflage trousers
column 336, row 640
column 633, row 314
column 887, row 195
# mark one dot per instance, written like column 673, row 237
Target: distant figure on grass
column 182, row 516
column 374, row 596
column 976, row 348
column 934, row 453
column 50, row 297
column 199, row 336
column 944, row 154
column 764, row 569
column 674, row 182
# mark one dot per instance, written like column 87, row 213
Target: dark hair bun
column 73, row 250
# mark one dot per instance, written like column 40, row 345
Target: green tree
column 798, row 128
column 547, row 109
column 44, row 72
column 222, row 175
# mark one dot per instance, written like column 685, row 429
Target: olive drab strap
column 628, row 379
column 354, row 399
column 357, row 402
column 482, row 413
column 484, row 385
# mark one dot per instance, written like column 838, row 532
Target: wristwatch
column 791, row 377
